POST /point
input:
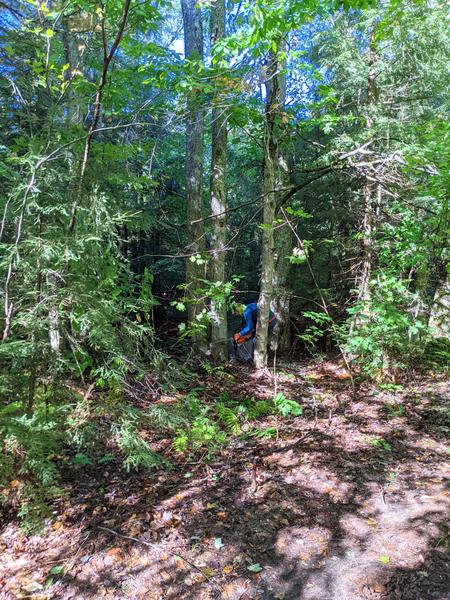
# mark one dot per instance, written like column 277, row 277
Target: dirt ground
column 349, row 503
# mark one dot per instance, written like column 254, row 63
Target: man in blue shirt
column 250, row 314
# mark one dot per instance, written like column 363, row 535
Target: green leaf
column 255, row 568
column 57, row 569
column 81, row 459
column 384, row 560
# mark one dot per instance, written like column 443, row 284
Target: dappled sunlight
column 325, row 511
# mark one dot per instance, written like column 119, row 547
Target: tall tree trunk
column 372, row 191
column 283, row 237
column 193, row 49
column 219, row 349
column 269, row 208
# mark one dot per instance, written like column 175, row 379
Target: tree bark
column 269, row 208
column 219, row 348
column 193, row 50
column 283, row 238
column 371, row 189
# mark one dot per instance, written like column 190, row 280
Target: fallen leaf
column 210, row 506
column 34, row 586
column 222, row 515
column 114, row 551
column 14, row 483
column 228, row 569
column 57, row 525
column 371, row 521
column 207, row 572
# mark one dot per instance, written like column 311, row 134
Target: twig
column 176, row 555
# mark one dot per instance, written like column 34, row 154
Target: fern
column 228, row 418
column 165, row 418
column 137, row 453
column 266, row 433
column 261, row 408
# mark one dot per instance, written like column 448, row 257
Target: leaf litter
column 317, row 512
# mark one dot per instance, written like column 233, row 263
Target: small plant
column 217, row 371
column 81, row 460
column 395, row 410
column 202, row 432
column 266, row 433
column 136, row 451
column 321, row 324
column 286, row 407
column 229, row 419
column 380, row 443
column 391, row 387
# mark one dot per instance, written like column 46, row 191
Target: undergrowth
column 69, row 432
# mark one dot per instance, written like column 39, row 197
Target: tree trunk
column 281, row 292
column 371, row 194
column 269, row 200
column 73, row 51
column 283, row 239
column 371, row 189
column 193, row 49
column 219, row 349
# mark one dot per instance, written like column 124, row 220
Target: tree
column 218, row 309
column 269, row 192
column 283, row 237
column 195, row 265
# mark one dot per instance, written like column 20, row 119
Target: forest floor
column 349, row 503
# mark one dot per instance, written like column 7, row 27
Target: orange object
column 240, row 339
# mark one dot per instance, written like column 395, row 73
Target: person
column 248, row 332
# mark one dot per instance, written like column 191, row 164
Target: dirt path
column 350, row 503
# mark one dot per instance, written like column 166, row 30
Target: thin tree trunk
column 269, row 209
column 219, row 349
column 193, row 49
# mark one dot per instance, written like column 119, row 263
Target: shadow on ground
column 348, row 504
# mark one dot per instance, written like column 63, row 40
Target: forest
column 224, row 299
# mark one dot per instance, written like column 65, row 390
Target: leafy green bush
column 30, row 450
column 383, row 334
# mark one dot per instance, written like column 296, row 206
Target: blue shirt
column 251, row 316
